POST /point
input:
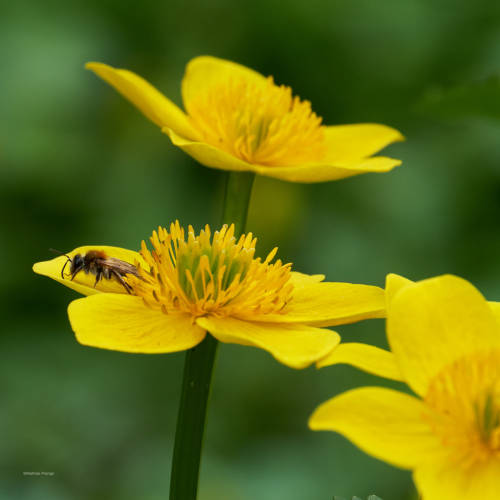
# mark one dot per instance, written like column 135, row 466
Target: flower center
column 210, row 275
column 465, row 399
column 259, row 122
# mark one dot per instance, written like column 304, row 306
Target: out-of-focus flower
column 191, row 284
column 445, row 339
column 237, row 119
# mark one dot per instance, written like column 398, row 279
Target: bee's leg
column 98, row 277
column 64, row 267
column 122, row 282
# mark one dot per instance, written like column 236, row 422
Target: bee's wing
column 120, row 266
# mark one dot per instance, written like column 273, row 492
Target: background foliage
column 79, row 166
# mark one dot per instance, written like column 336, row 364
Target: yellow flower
column 445, row 342
column 191, row 284
column 236, row 119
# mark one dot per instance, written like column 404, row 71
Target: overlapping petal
column 366, row 357
column 213, row 157
column 296, row 346
column 425, row 338
column 329, row 304
column 382, row 422
column 84, row 283
column 124, row 323
column 300, row 279
column 495, row 309
column 393, row 284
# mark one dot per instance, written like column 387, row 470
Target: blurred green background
column 79, row 165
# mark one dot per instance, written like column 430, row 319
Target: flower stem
column 237, row 198
column 198, row 367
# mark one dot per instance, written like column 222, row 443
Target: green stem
column 198, row 367
column 237, row 199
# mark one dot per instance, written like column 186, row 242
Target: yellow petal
column 301, row 279
column 153, row 104
column 124, row 323
column 329, row 304
column 393, row 284
column 443, row 480
column 350, row 143
column 296, row 346
column 322, row 172
column 206, row 72
column 84, row 283
column 495, row 308
column 382, row 422
column 209, row 155
column 436, row 321
column 213, row 157
column 366, row 357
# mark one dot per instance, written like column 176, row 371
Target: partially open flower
column 445, row 343
column 189, row 284
column 236, row 119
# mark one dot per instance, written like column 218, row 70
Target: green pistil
column 232, row 268
column 488, row 415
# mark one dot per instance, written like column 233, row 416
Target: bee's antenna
column 54, row 250
column 66, row 263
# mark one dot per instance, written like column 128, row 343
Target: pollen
column 210, row 274
column 259, row 122
column 464, row 400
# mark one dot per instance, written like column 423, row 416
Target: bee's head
column 77, row 264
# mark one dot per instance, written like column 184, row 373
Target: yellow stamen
column 210, row 275
column 259, row 122
column 465, row 408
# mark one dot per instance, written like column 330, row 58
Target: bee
column 96, row 262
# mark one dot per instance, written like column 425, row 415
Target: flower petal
column 350, row 143
column 213, row 157
column 300, row 279
column 382, row 422
column 296, row 346
column 208, row 155
column 393, row 284
column 124, row 323
column 206, row 71
column 366, row 357
column 322, row 172
column 436, row 321
column 495, row 309
column 84, row 283
column 329, row 304
column 153, row 104
column 443, row 480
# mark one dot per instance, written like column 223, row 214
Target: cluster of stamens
column 204, row 274
column 464, row 403
column 259, row 122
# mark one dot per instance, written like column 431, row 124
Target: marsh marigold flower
column 445, row 343
column 189, row 284
column 237, row 119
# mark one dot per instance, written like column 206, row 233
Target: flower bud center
column 259, row 122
